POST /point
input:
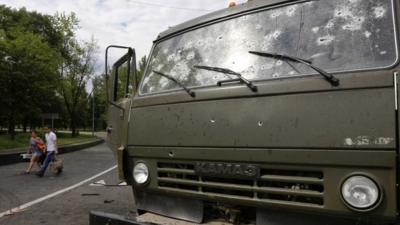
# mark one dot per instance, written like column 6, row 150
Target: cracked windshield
column 338, row 35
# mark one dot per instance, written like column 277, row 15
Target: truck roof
column 220, row 14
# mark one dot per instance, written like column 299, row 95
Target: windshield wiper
column 329, row 77
column 190, row 92
column 230, row 72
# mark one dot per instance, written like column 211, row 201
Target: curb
column 15, row 157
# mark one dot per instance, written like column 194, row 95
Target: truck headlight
column 140, row 173
column 360, row 192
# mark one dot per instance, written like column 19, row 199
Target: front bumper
column 297, row 180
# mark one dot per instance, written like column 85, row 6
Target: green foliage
column 28, row 65
column 43, row 69
column 22, row 140
column 122, row 80
column 100, row 99
column 76, row 69
column 141, row 67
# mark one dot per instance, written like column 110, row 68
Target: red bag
column 40, row 146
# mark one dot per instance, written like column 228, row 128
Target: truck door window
column 335, row 35
column 123, row 83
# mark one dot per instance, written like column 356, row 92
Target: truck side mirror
column 122, row 81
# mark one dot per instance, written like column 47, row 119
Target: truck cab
column 288, row 108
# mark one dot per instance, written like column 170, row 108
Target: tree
column 100, row 101
column 28, row 65
column 76, row 69
column 76, row 73
column 141, row 67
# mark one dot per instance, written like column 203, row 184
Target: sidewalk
column 14, row 155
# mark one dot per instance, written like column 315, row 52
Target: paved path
column 72, row 206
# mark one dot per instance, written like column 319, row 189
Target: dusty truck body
column 285, row 107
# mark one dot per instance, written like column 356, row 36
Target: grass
column 22, row 140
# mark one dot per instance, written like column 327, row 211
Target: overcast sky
column 134, row 23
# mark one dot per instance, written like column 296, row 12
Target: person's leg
column 33, row 159
column 49, row 158
column 41, row 159
column 38, row 161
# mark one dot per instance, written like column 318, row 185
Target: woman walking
column 35, row 145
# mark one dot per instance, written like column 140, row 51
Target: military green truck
column 286, row 108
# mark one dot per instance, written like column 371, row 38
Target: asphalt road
column 71, row 206
column 70, row 196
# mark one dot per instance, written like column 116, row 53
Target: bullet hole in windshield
column 275, row 14
column 355, row 23
column 276, row 34
column 171, row 57
column 329, row 25
column 251, row 69
column 379, row 12
column 190, row 56
column 189, row 44
column 325, row 40
column 200, row 43
column 251, row 45
column 291, row 10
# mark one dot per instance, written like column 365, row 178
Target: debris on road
column 90, row 194
column 102, row 183
column 98, row 183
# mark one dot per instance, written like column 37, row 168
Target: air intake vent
column 273, row 186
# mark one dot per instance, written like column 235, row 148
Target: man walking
column 52, row 150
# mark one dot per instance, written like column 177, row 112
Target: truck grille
column 280, row 186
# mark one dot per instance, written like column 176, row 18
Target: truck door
column 120, row 89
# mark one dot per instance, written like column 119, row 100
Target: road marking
column 34, row 202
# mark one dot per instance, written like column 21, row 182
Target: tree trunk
column 24, row 124
column 11, row 127
column 73, row 127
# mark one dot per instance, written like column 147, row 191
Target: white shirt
column 51, row 139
